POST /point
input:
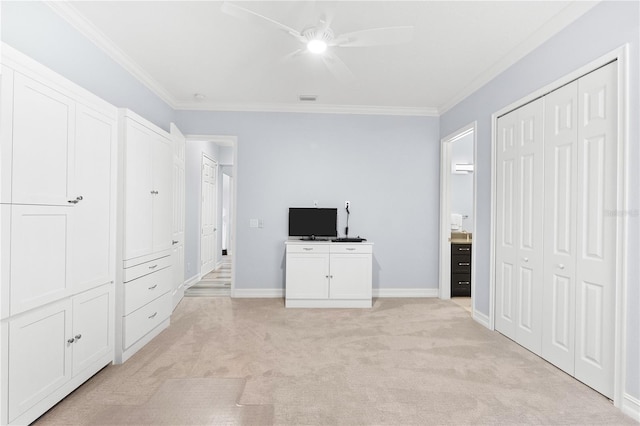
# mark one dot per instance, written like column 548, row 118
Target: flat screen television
column 312, row 222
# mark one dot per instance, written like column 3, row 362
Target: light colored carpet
column 403, row 362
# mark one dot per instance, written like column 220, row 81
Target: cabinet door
column 138, row 191
column 307, row 276
column 43, row 139
column 350, row 276
column 40, row 269
column 95, row 140
column 92, row 327
column 39, row 356
column 163, row 194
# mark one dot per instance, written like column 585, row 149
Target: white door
column 92, row 327
column 208, row 236
column 39, row 355
column 519, row 225
column 138, row 234
column 596, row 232
column 177, row 242
column 96, row 137
column 561, row 115
column 163, row 193
column 43, row 139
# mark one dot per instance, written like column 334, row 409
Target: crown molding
column 315, row 109
column 561, row 20
column 97, row 37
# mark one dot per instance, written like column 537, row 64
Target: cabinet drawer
column 146, row 268
column 143, row 290
column 140, row 322
column 460, row 249
column 351, row 248
column 460, row 264
column 461, row 285
column 308, row 248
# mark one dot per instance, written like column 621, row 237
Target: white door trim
column 621, row 55
column 232, row 141
column 445, row 212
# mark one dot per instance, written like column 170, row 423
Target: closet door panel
column 530, row 225
column 558, row 336
column 162, row 200
column 95, row 139
column 43, row 122
column 596, row 230
column 506, row 219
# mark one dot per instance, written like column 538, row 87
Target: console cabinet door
column 138, row 191
column 95, row 139
column 39, row 356
column 42, row 144
column 350, row 276
column 307, row 276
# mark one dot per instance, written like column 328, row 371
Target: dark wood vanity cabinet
column 461, row 270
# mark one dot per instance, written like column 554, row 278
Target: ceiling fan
column 319, row 39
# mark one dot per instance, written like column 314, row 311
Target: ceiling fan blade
column 375, row 37
column 250, row 16
column 295, row 54
column 339, row 69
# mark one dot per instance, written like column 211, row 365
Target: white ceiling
column 180, row 48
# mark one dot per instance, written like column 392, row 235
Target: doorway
column 457, row 216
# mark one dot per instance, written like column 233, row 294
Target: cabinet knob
column 526, row 259
column 78, row 336
column 174, row 242
column 561, row 266
column 71, row 340
column 153, row 286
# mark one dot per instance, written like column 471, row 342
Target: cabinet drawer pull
column 307, row 248
column 153, row 316
column 463, row 248
column 71, row 340
column 154, row 266
column 464, row 282
column 351, row 248
column 153, row 286
column 463, row 264
column 78, row 336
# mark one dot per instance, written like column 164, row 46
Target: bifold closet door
column 519, row 225
column 580, row 187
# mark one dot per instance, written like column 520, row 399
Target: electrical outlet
column 347, row 204
column 315, row 203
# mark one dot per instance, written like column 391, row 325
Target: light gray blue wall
column 193, row 195
column 606, row 27
column 37, row 31
column 388, row 167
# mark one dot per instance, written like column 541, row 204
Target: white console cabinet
column 321, row 274
column 57, row 236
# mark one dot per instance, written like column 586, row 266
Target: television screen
column 313, row 222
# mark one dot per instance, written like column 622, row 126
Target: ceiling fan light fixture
column 317, row 46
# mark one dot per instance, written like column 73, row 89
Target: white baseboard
column 631, row 406
column 191, row 281
column 405, row 292
column 257, row 293
column 481, row 318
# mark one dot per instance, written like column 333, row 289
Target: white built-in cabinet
column 556, row 183
column 326, row 274
column 57, row 227
column 145, row 278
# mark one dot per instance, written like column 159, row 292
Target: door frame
column 444, row 290
column 620, row 54
column 232, row 141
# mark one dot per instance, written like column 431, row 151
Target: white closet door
column 561, row 115
column 163, row 198
column 596, row 231
column 519, row 225
column 506, row 214
column 43, row 122
column 529, row 226
column 95, row 140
